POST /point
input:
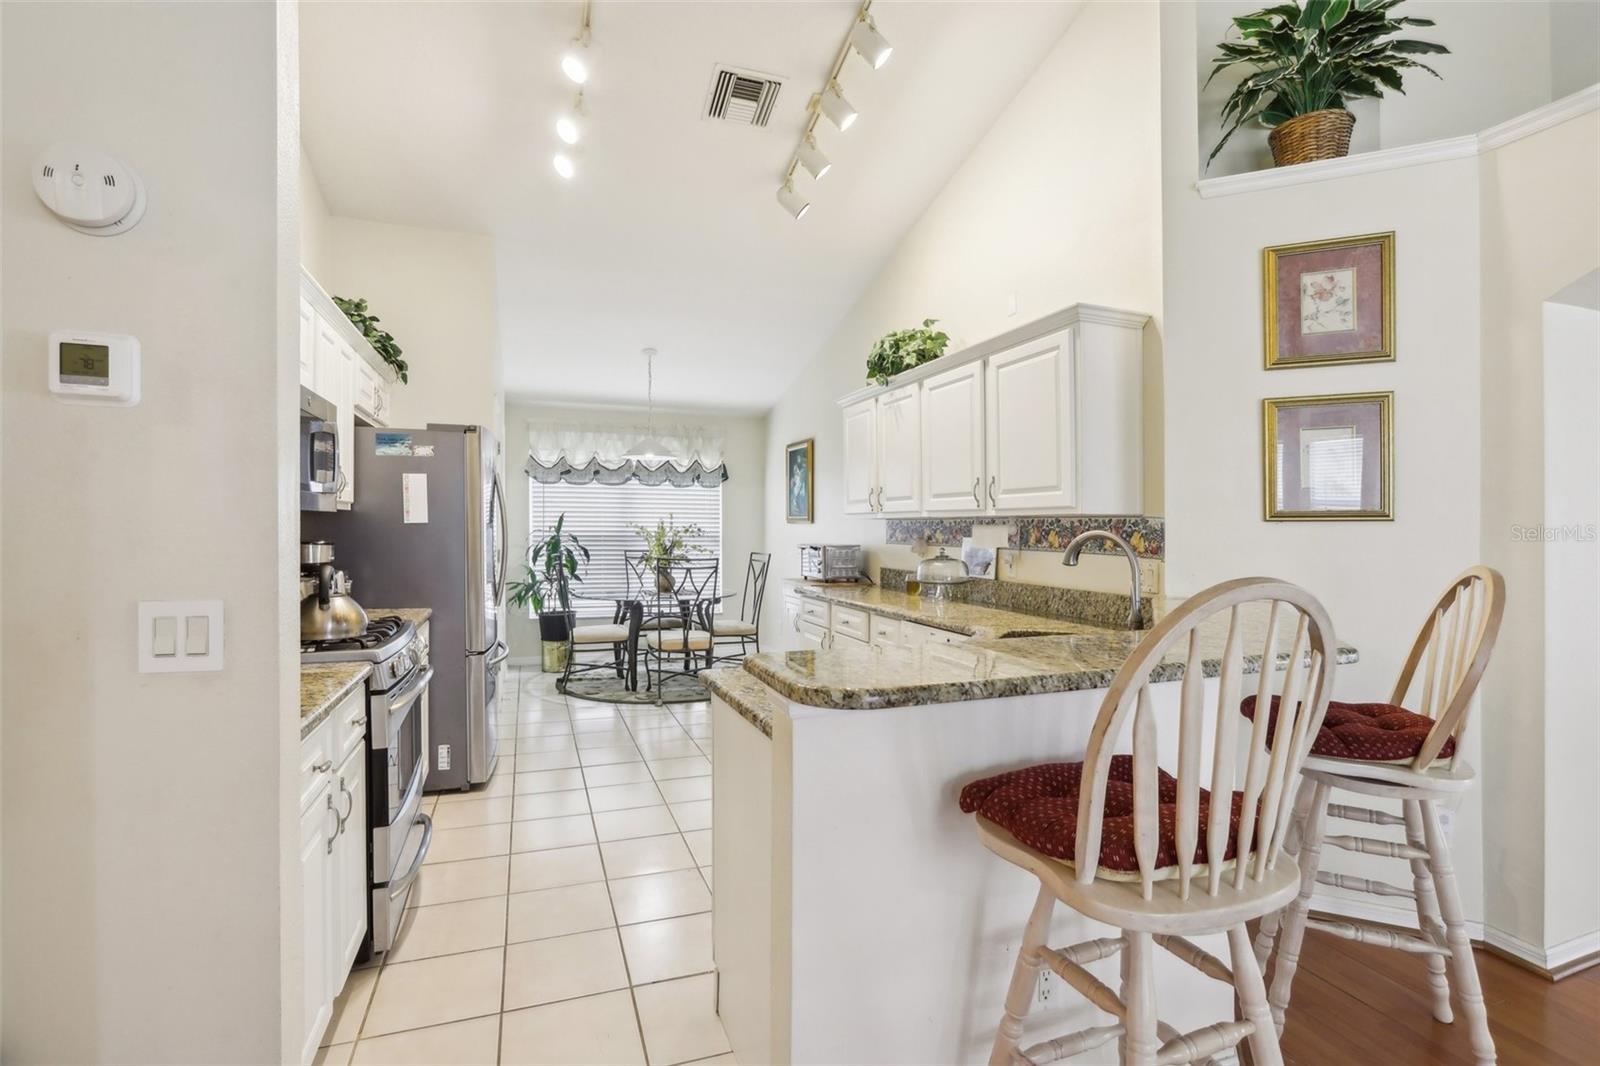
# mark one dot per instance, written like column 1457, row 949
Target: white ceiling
column 439, row 114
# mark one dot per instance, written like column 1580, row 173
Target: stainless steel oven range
column 397, row 766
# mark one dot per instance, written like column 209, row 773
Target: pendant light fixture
column 649, row 449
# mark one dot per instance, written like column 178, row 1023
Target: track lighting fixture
column 575, row 63
column 568, row 125
column 564, row 165
column 792, row 201
column 839, row 110
column 866, row 39
column 811, row 157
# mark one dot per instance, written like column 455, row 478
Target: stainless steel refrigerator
column 428, row 529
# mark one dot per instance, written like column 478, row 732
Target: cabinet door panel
column 348, row 878
column 1030, row 425
column 952, row 440
column 860, row 456
column 900, row 450
column 308, row 345
column 315, row 826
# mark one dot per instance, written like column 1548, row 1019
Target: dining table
column 628, row 608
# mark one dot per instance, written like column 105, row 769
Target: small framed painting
column 1328, row 457
column 799, row 480
column 1329, row 302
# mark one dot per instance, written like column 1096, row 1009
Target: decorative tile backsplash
column 1100, row 608
column 1147, row 534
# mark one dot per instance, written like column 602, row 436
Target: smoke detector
column 89, row 190
column 743, row 97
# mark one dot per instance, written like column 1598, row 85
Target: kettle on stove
column 329, row 613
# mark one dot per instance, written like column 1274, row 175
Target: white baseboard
column 523, row 660
column 1552, row 958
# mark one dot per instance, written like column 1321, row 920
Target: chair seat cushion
column 1365, row 732
column 1039, row 806
column 735, row 628
column 672, row 640
column 608, row 634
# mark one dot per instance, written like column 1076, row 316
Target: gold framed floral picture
column 1328, row 457
column 1328, row 302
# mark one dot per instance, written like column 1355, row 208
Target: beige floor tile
column 542, row 834
column 558, row 911
column 655, row 750
column 578, row 1032
column 621, row 773
column 551, row 743
column 466, row 1043
column 693, row 766
column 603, row 724
column 699, row 841
column 700, row 732
column 499, row 785
column 595, row 712
column 451, row 882
column 684, row 789
column 350, row 1009
column 333, row 1055
column 601, row 738
column 646, row 855
column 548, row 760
column 672, row 947
column 548, row 781
column 621, row 797
column 563, row 967
column 696, row 814
column 532, row 870
column 545, row 727
column 473, row 812
column 655, row 896
column 472, row 842
column 613, row 753
column 450, row 928
column 679, row 1019
column 705, row 872
column 716, row 1060
column 550, row 805
column 433, row 991
column 634, row 822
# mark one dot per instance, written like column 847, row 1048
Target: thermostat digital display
column 94, row 368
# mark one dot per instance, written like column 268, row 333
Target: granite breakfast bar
column 856, row 917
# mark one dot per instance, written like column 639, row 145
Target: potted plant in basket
column 1310, row 61
column 665, row 542
column 549, row 571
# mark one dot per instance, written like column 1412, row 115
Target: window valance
column 579, row 455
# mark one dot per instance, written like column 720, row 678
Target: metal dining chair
column 744, row 632
column 614, row 638
column 693, row 595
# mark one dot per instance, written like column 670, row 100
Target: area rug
column 608, row 688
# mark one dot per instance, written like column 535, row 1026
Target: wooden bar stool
column 1121, row 841
column 1386, row 751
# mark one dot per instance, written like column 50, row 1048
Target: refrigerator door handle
column 497, row 655
column 505, row 547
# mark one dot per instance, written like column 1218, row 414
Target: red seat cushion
column 1039, row 806
column 1366, row 732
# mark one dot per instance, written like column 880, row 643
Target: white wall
column 146, row 820
column 1058, row 204
column 315, row 221
column 744, row 494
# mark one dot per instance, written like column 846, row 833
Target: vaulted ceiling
column 440, row 114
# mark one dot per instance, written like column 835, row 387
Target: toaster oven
column 830, row 562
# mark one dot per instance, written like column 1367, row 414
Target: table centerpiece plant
column 665, row 543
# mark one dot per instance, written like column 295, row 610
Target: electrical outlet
column 444, row 757
column 1043, row 990
column 1446, row 817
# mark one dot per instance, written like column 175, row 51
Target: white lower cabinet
column 812, row 636
column 333, row 859
column 818, row 625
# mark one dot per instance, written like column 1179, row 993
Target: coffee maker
column 329, row 613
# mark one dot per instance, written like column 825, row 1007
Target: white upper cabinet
column 900, row 450
column 1031, row 423
column 952, row 440
column 861, row 457
column 308, row 345
column 1044, row 419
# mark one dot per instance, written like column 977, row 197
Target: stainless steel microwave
column 320, row 479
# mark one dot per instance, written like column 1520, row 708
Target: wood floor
column 1359, row 1004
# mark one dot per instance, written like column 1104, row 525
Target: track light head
column 575, row 63
column 866, row 39
column 840, row 111
column 811, row 157
column 564, row 165
column 793, row 202
column 569, row 124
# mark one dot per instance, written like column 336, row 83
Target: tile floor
column 564, row 912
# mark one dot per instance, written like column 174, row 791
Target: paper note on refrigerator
column 414, row 498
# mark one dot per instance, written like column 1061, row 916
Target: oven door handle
column 409, row 694
column 398, row 886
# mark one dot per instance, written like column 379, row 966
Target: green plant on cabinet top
column 382, row 340
column 1315, row 57
column 905, row 348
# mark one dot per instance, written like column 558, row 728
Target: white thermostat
column 94, row 368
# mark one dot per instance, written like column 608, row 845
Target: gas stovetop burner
column 379, row 632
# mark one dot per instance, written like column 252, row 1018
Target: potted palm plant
column 549, row 570
column 1310, row 61
column 665, row 542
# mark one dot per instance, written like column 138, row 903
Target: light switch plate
column 182, row 615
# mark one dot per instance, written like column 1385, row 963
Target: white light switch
column 163, row 649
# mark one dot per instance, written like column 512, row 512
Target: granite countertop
column 322, row 687
column 972, row 619
column 744, row 692
column 1087, row 657
column 414, row 615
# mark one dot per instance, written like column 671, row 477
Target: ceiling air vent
column 742, row 96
